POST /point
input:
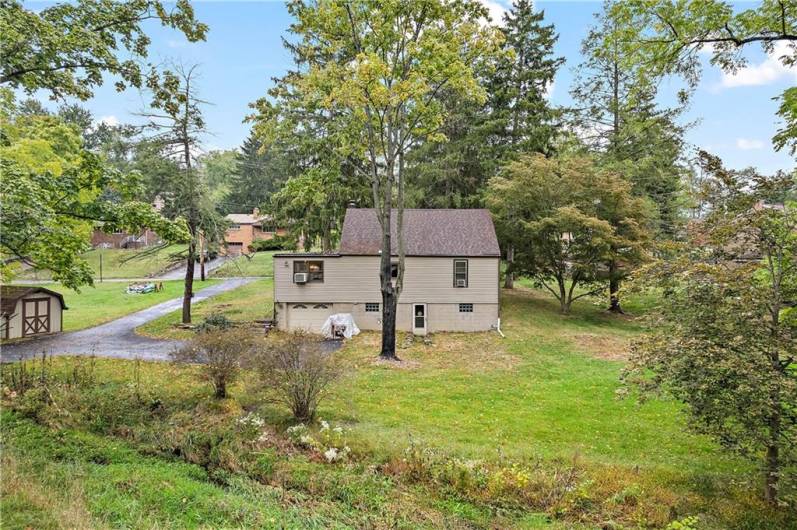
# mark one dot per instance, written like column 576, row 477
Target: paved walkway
column 116, row 338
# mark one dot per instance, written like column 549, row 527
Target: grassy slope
column 107, row 301
column 260, row 264
column 117, row 263
column 253, row 301
column 544, row 391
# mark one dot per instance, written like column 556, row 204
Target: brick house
column 248, row 227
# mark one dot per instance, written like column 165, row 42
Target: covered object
column 340, row 324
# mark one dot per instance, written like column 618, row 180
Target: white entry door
column 419, row 318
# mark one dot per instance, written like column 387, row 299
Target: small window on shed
column 299, row 306
column 466, row 308
column 320, row 306
column 460, row 273
column 371, row 307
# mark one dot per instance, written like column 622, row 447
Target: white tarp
column 340, row 320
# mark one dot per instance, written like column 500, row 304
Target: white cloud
column 769, row 71
column 110, row 121
column 746, row 144
column 496, row 10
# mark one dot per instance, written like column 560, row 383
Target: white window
column 313, row 269
column 460, row 273
column 466, row 308
column 371, row 307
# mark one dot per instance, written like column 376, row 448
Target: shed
column 26, row 311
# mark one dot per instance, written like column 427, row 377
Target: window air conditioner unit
column 461, row 283
column 300, row 277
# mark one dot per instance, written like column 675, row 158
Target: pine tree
column 257, row 176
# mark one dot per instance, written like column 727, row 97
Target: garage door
column 234, row 249
column 309, row 317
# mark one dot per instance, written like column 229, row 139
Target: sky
column 734, row 114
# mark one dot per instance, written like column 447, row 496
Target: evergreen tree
column 256, row 177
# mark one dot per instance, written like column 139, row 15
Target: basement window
column 466, row 308
column 371, row 307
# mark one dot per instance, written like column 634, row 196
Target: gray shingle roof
column 426, row 233
column 10, row 294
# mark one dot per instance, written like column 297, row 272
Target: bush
column 296, row 373
column 221, row 354
column 214, row 322
column 275, row 243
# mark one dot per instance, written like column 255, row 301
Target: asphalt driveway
column 116, row 338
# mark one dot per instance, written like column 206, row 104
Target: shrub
column 220, row 353
column 214, row 322
column 296, row 373
column 275, row 243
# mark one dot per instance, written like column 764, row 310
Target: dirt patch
column 607, row 347
column 472, row 352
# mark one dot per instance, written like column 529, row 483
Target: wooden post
column 100, row 264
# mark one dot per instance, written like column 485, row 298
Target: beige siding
column 15, row 322
column 355, row 279
column 351, row 281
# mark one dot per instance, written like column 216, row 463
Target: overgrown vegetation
column 473, row 431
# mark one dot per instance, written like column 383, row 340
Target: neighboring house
column 124, row 240
column 245, row 228
column 27, row 311
column 451, row 275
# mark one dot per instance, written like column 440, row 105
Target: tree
column 724, row 340
column 176, row 119
column 667, row 37
column 566, row 218
column 257, row 175
column 521, row 119
column 376, row 68
column 619, row 117
column 218, row 170
column 54, row 191
column 220, row 354
column 65, row 49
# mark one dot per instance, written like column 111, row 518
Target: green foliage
column 54, row 192
column 66, row 49
column 256, row 175
column 218, row 171
column 566, row 219
column 214, row 322
column 275, row 243
column 666, row 37
column 720, row 343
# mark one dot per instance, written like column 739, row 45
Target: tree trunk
column 509, row 277
column 221, row 389
column 564, row 302
column 614, row 289
column 772, row 471
column 389, row 301
column 326, row 240
column 188, row 291
column 201, row 258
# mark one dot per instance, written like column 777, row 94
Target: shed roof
column 10, row 295
column 438, row 232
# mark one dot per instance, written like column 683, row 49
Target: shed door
column 35, row 316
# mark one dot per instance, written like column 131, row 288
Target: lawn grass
column 543, row 398
column 250, row 302
column 120, row 263
column 108, row 301
column 258, row 264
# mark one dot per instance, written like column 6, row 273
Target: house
column 146, row 238
column 246, row 228
column 451, row 275
column 27, row 311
